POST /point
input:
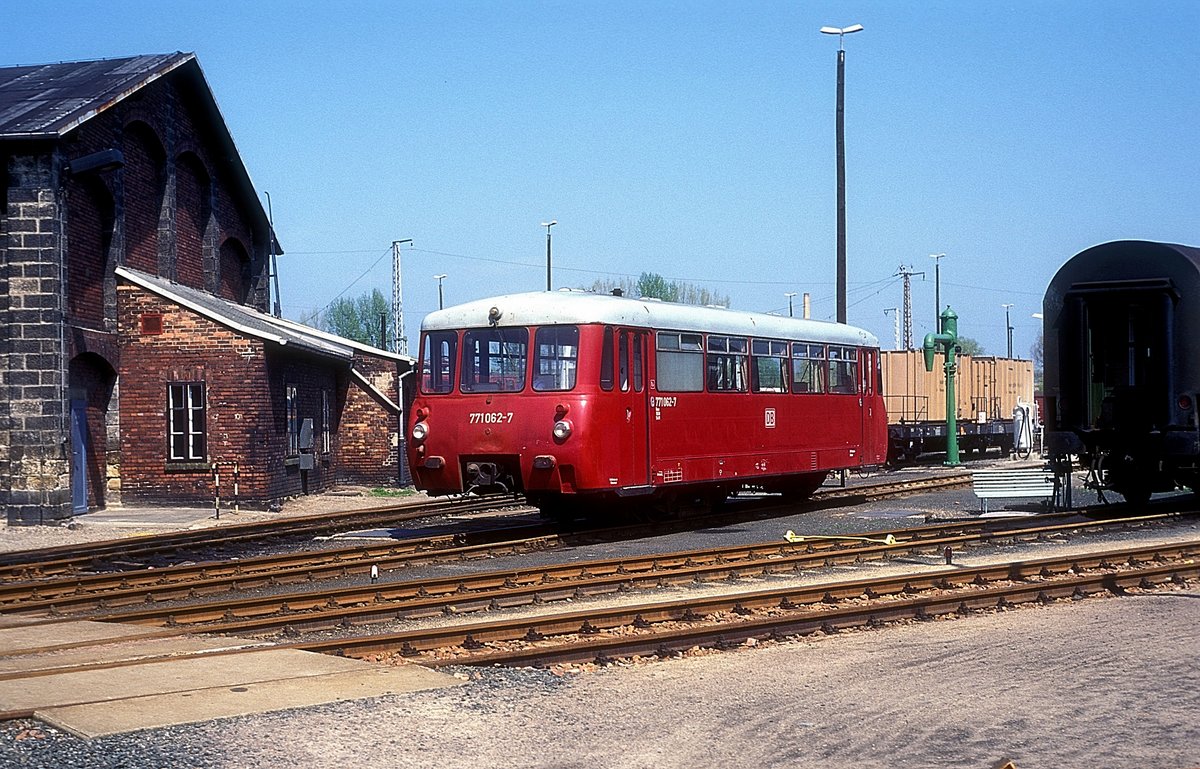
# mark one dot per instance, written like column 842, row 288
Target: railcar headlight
column 420, row 431
column 562, row 430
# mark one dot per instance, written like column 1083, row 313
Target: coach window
column 768, row 368
column 438, row 357
column 680, row 362
column 494, row 360
column 556, row 353
column 843, row 370
column 808, row 368
column 623, row 360
column 606, row 360
column 726, row 364
column 639, row 343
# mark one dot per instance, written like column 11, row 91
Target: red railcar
column 571, row 397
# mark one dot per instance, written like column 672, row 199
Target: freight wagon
column 988, row 391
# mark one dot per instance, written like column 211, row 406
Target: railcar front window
column 809, row 368
column 556, row 357
column 438, row 356
column 726, row 364
column 769, row 369
column 494, row 360
column 843, row 370
column 680, row 362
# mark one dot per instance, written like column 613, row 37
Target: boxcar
column 1122, row 369
column 572, row 397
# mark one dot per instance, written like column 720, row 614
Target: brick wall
column 166, row 211
column 246, row 411
column 35, row 485
column 368, row 438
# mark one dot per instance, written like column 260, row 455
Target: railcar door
column 632, row 388
column 868, row 402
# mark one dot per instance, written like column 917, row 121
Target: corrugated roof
column 48, row 100
column 251, row 322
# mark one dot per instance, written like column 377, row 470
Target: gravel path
column 1093, row 683
column 1101, row 682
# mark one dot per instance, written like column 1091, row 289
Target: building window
column 293, row 421
column 326, row 427
column 185, row 406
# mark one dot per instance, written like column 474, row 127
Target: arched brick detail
column 193, row 211
column 235, row 271
column 89, row 244
column 144, row 180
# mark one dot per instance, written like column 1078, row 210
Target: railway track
column 666, row 628
column 52, row 581
column 365, row 602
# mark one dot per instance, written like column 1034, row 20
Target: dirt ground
column 1092, row 683
column 1101, row 682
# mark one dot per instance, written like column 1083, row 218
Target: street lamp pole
column 937, row 291
column 439, row 279
column 789, row 295
column 548, row 225
column 1008, row 326
column 841, row 32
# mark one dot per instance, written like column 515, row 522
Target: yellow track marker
column 793, row 537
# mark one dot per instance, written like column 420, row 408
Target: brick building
column 135, row 348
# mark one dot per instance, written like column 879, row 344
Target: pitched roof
column 48, row 100
column 250, row 322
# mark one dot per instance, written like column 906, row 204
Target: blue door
column 79, row 463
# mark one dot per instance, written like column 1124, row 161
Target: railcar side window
column 680, row 362
column 843, row 370
column 639, row 342
column 623, row 360
column 726, row 364
column 809, row 368
column 556, row 355
column 769, row 369
column 606, row 360
column 494, row 360
column 438, row 357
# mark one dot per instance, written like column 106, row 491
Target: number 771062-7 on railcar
column 577, row 400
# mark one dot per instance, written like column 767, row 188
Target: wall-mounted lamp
column 97, row 162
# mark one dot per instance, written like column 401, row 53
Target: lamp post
column 937, row 291
column 439, row 279
column 1008, row 326
column 548, row 225
column 789, row 295
column 841, row 32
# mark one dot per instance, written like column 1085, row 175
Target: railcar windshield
column 438, row 357
column 493, row 360
column 556, row 356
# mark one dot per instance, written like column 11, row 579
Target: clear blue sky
column 690, row 139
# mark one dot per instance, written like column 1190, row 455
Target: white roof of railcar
column 544, row 308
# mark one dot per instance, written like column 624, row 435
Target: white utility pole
column 895, row 313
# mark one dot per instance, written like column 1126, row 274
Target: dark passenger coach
column 1122, row 365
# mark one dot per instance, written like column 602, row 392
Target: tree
column 1036, row 352
column 655, row 286
column 357, row 318
column 969, row 346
